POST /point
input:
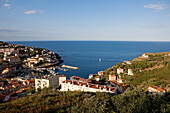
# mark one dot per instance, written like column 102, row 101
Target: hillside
column 133, row 100
column 154, row 70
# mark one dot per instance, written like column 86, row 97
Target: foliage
column 133, row 100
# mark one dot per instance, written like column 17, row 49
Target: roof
column 100, row 72
column 157, row 88
column 119, row 68
column 79, row 79
column 91, row 75
column 95, row 86
column 130, row 69
column 112, row 75
column 61, row 75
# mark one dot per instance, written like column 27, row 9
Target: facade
column 7, row 50
column 112, row 77
column 91, row 76
column 130, row 72
column 121, row 88
column 145, row 56
column 128, row 62
column 70, row 85
column 61, row 78
column 51, row 81
column 97, row 78
column 119, row 70
column 156, row 89
column 100, row 73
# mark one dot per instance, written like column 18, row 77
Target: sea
column 93, row 56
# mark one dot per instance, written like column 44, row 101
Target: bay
column 86, row 54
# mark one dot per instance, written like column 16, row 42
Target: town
column 26, row 70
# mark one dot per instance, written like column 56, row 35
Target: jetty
column 70, row 67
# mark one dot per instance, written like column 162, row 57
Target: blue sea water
column 86, row 54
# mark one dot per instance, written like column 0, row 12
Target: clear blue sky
column 115, row 20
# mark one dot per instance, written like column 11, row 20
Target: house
column 112, row 77
column 119, row 70
column 100, row 73
column 76, row 78
column 70, row 85
column 119, row 80
column 128, row 62
column 6, row 50
column 91, row 76
column 121, row 88
column 130, row 72
column 50, row 81
column 61, row 79
column 97, row 78
column 8, row 71
column 145, row 56
column 156, row 89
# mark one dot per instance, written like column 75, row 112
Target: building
column 121, row 88
column 61, row 78
column 128, row 62
column 8, row 71
column 91, row 76
column 112, row 77
column 130, row 72
column 97, row 78
column 48, row 82
column 6, row 50
column 155, row 89
column 119, row 70
column 100, row 73
column 70, row 85
column 79, row 79
column 13, row 59
column 145, row 56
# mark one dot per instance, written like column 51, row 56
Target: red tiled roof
column 31, row 80
column 157, row 88
column 19, row 91
column 91, row 75
column 100, row 72
column 61, row 75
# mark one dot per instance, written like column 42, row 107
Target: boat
column 100, row 60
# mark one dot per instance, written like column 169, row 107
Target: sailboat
column 100, row 60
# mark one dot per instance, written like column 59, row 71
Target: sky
column 85, row 20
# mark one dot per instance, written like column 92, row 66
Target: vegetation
column 133, row 100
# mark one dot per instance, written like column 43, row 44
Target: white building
column 156, row 89
column 70, row 85
column 100, row 73
column 130, row 72
column 119, row 70
column 97, row 78
column 61, row 78
column 91, row 76
column 145, row 56
column 121, row 88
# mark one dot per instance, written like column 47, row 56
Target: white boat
column 100, row 59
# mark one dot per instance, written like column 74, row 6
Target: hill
column 154, row 70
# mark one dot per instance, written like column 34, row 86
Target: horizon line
column 83, row 41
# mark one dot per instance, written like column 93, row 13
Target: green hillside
column 134, row 100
